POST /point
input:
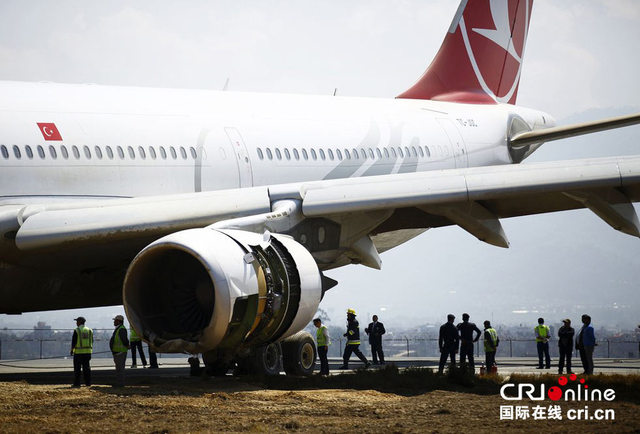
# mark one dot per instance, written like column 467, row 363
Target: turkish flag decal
column 49, row 131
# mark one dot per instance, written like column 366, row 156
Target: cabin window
column 16, row 152
column 174, row 155
column 260, row 154
column 163, row 153
column 339, row 154
column 278, row 154
column 347, row 154
column 420, row 151
column 5, row 153
column 28, row 151
column 183, row 153
column 427, row 151
column 41, row 152
column 393, row 153
column 194, row 154
column 321, row 151
column 65, row 153
column 386, row 152
column 313, row 154
column 363, row 152
column 400, row 152
column 132, row 153
column 371, row 153
column 304, row 154
column 53, row 152
column 98, row 152
column 152, row 152
column 143, row 154
column 287, row 154
column 269, row 154
column 378, row 153
column 330, row 152
column 355, row 154
column 296, row 154
column 109, row 153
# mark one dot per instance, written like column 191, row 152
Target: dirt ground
column 187, row 404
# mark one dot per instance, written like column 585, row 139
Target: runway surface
column 59, row 371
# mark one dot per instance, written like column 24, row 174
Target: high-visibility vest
column 118, row 346
column 490, row 345
column 84, row 340
column 542, row 333
column 133, row 336
column 320, row 337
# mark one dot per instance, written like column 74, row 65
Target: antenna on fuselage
column 335, row 90
column 226, row 84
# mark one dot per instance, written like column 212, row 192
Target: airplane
column 212, row 216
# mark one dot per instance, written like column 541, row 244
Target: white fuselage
column 127, row 142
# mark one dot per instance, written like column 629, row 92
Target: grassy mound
column 414, row 381
column 410, row 381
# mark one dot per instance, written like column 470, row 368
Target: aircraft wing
column 473, row 198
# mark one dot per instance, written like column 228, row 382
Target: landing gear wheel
column 299, row 354
column 267, row 360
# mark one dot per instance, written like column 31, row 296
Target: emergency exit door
column 245, row 174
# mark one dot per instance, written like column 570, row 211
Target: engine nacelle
column 203, row 289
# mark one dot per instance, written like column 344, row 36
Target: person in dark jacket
column 353, row 341
column 375, row 330
column 565, row 345
column 448, row 341
column 466, row 330
column 119, row 344
column 586, row 343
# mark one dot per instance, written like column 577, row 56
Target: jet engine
column 221, row 291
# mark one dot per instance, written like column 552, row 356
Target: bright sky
column 580, row 63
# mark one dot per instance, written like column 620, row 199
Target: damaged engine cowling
column 202, row 289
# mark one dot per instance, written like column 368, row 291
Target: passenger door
column 242, row 157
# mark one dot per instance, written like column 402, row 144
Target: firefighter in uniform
column 81, row 350
column 491, row 342
column 543, row 334
column 353, row 341
column 119, row 344
column 323, row 342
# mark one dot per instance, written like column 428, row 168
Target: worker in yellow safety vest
column 136, row 344
column 119, row 344
column 81, row 350
column 323, row 342
column 543, row 334
column 353, row 341
column 491, row 342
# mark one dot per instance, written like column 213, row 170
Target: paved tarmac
column 59, row 371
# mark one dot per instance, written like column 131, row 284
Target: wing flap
column 474, row 184
column 476, row 198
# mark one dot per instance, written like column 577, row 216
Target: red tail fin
column 481, row 57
